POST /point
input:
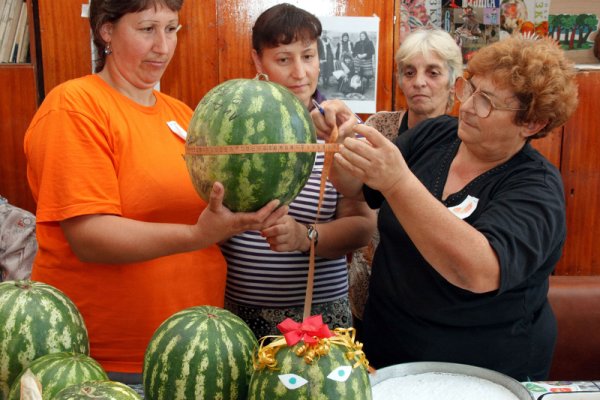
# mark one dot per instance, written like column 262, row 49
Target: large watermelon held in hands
column 104, row 390
column 250, row 111
column 202, row 352
column 37, row 319
column 310, row 362
column 57, row 371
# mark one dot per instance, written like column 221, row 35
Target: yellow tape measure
column 262, row 148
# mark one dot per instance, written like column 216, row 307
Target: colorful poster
column 526, row 16
column 573, row 31
column 415, row 14
column 473, row 23
column 575, row 24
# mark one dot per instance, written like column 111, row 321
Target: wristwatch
column 312, row 233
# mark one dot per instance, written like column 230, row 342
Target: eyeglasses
column 482, row 103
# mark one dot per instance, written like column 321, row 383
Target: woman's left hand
column 286, row 234
column 374, row 159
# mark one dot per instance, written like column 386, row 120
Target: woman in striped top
column 267, row 270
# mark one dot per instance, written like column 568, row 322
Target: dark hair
column 111, row 11
column 367, row 38
column 284, row 24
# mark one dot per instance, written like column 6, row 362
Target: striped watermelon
column 250, row 111
column 202, row 352
column 334, row 375
column 105, row 390
column 57, row 371
column 37, row 319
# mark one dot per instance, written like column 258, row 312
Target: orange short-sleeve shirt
column 91, row 150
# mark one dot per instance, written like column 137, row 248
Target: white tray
column 415, row 368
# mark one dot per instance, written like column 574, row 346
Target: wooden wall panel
column 550, row 146
column 65, row 37
column 398, row 99
column 33, row 23
column 16, row 110
column 581, row 176
column 214, row 43
column 66, row 48
column 235, row 30
column 194, row 69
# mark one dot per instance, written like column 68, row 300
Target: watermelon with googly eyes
column 320, row 368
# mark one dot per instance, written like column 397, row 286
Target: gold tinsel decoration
column 265, row 356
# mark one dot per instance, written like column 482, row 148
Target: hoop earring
column 107, row 50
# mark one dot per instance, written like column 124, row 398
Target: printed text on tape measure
column 262, row 148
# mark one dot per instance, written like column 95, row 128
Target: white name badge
column 466, row 208
column 177, row 129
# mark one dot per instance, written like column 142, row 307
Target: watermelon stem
column 24, row 284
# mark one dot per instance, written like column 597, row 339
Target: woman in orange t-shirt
column 117, row 215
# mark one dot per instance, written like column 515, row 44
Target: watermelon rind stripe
column 104, row 390
column 57, row 371
column 245, row 111
column 37, row 319
column 202, row 352
column 265, row 383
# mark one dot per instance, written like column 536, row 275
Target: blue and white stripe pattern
column 260, row 277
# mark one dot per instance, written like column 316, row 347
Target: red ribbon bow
column 310, row 330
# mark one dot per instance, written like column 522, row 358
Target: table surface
column 537, row 389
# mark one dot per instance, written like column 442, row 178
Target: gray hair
column 436, row 41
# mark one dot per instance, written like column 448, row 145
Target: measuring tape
column 327, row 148
column 263, row 148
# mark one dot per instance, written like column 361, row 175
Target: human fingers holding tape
column 373, row 159
column 334, row 113
column 218, row 223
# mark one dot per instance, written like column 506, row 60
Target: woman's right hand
column 337, row 113
column 217, row 223
column 375, row 160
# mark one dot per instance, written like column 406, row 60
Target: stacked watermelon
column 105, row 390
column 311, row 364
column 58, row 371
column 329, row 377
column 37, row 319
column 250, row 111
column 202, row 352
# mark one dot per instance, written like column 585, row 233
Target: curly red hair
column 539, row 74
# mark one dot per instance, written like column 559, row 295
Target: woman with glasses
column 472, row 218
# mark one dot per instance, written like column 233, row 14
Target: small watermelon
column 57, row 371
column 202, row 352
column 331, row 367
column 250, row 111
column 105, row 390
column 37, row 319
